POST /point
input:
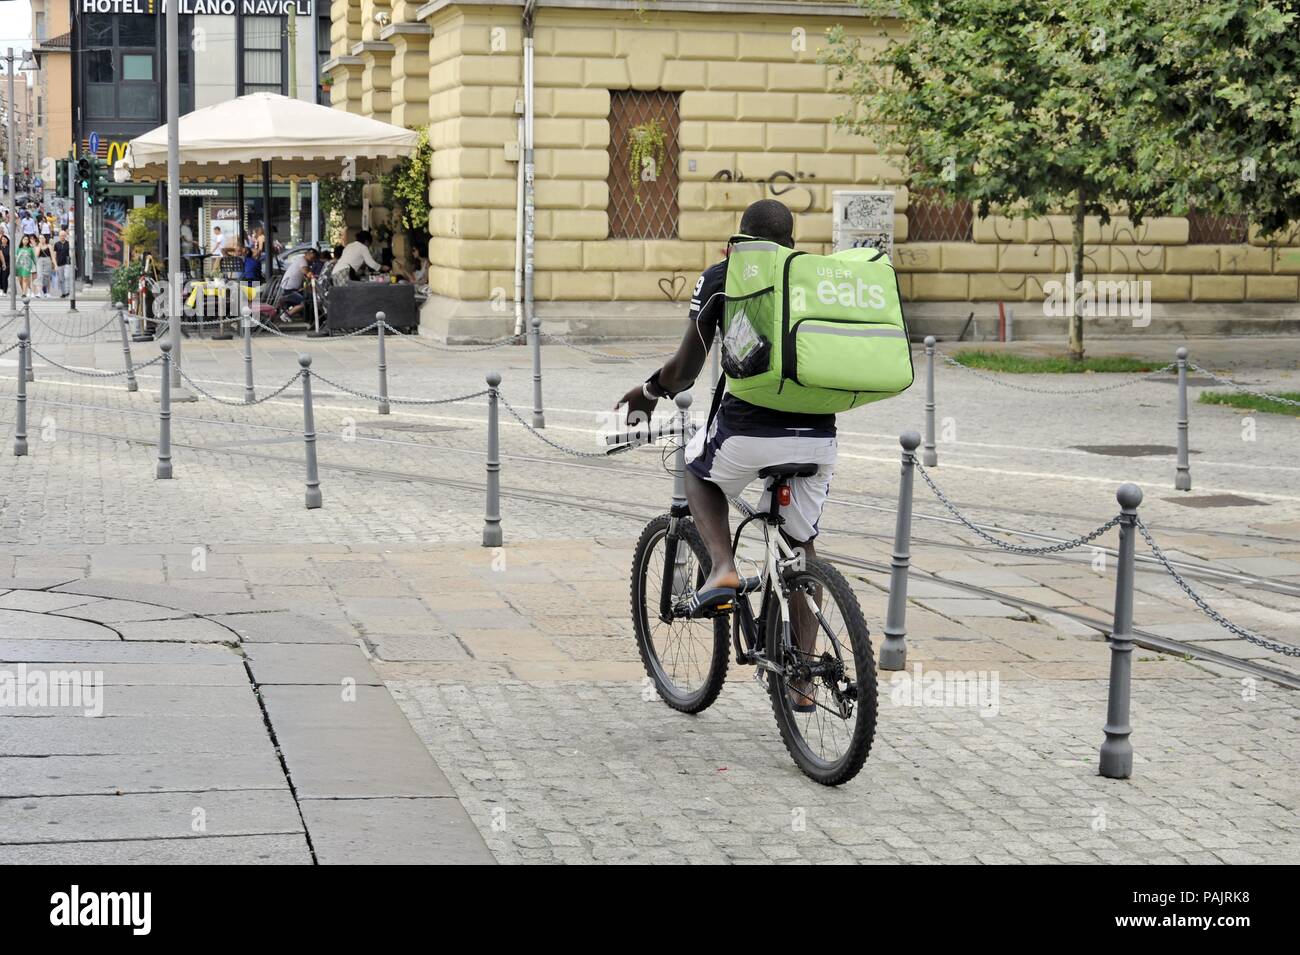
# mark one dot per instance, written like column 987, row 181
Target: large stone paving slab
column 394, row 832
column 86, row 773
column 28, row 625
column 210, row 850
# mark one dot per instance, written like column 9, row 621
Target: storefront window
column 137, row 66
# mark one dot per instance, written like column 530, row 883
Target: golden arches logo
column 116, row 151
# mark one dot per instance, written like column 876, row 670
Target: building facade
column 729, row 96
column 52, row 83
column 228, row 48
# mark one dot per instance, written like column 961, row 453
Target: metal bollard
column 683, row 402
column 492, row 516
column 893, row 652
column 164, row 470
column 131, row 383
column 250, row 393
column 1117, row 751
column 1183, row 468
column 539, row 417
column 20, row 430
column 929, row 457
column 27, row 327
column 309, row 435
column 382, row 319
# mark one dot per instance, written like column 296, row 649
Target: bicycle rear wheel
column 686, row 659
column 837, row 677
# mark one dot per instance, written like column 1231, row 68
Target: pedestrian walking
column 63, row 264
column 5, row 264
column 25, row 264
column 44, row 267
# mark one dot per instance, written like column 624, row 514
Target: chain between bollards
column 492, row 513
column 1182, row 468
column 929, row 457
column 539, row 416
column 309, row 435
column 381, row 323
column 164, row 470
column 27, row 327
column 131, row 383
column 1117, row 750
column 893, row 652
column 683, row 402
column 250, row 393
column 20, row 429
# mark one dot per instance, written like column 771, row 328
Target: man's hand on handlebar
column 639, row 407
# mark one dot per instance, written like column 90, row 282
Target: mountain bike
column 796, row 620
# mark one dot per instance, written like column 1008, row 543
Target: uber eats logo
column 840, row 287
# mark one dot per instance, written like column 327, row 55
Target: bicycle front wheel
column 685, row 659
column 825, row 697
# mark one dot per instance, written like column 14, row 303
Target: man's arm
column 681, row 370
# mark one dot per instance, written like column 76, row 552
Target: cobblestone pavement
column 517, row 667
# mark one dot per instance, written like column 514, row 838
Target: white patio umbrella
column 266, row 134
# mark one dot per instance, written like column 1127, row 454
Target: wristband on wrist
column 653, row 388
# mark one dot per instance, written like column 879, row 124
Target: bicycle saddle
column 784, row 471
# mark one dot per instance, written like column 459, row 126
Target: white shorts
column 732, row 462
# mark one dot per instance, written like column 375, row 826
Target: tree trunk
column 1076, row 319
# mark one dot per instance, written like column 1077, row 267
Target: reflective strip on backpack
column 855, row 332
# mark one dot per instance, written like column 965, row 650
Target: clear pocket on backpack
column 745, row 350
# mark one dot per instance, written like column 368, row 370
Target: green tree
column 1236, row 109
column 407, row 186
column 141, row 231
column 1024, row 107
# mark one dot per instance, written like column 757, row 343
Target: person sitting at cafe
column 292, row 299
column 252, row 266
column 355, row 255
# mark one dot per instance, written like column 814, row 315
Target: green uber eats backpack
column 812, row 334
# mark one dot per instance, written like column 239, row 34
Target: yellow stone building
column 725, row 102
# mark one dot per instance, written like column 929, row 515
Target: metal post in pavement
column 250, row 394
column 164, row 470
column 683, row 402
column 131, row 383
column 929, row 457
column 1116, row 750
column 539, row 417
column 27, row 327
column 382, row 321
column 309, row 435
column 893, row 652
column 1183, row 468
column 20, row 430
column 492, row 516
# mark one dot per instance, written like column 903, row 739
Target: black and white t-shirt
column 707, row 311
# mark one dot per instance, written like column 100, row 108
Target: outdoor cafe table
column 222, row 294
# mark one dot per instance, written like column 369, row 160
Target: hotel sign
column 249, row 8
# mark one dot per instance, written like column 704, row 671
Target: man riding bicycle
column 742, row 438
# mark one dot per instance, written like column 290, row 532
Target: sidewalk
column 208, row 729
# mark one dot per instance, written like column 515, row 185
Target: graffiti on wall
column 111, row 240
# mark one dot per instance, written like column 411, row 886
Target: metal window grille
column 1205, row 229
column 643, row 133
column 932, row 219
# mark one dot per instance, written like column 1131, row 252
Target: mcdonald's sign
column 110, row 152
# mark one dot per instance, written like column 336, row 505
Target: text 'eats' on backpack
column 812, row 334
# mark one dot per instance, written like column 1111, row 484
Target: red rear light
column 783, row 495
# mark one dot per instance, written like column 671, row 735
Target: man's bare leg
column 803, row 622
column 709, row 508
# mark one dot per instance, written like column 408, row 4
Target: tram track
column 639, row 513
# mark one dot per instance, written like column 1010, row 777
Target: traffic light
column 61, row 179
column 85, row 177
column 99, row 176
